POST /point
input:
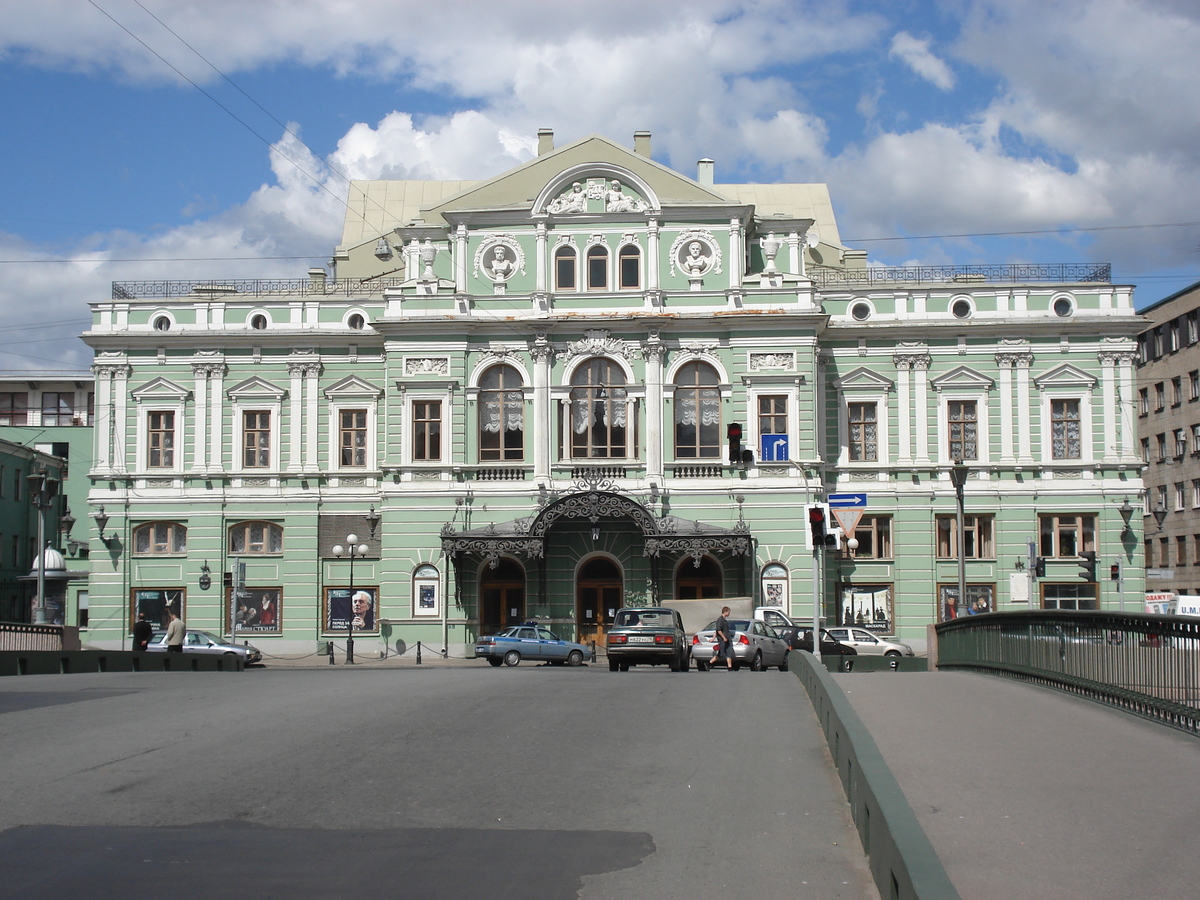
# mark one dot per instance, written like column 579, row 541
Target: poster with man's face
column 257, row 610
column 346, row 610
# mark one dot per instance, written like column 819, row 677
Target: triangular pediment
column 161, row 389
column 1065, row 376
column 353, row 388
column 256, row 389
column 592, row 156
column 962, row 378
column 863, row 379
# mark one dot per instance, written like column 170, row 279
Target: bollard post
column 329, row 646
column 418, row 653
column 593, row 644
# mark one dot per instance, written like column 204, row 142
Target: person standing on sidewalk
column 175, row 633
column 142, row 632
column 724, row 641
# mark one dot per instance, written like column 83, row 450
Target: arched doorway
column 501, row 596
column 599, row 591
column 705, row 582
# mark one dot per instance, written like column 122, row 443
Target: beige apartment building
column 1168, row 407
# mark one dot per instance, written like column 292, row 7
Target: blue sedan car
column 529, row 641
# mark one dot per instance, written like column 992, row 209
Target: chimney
column 641, row 143
column 704, row 171
column 545, row 141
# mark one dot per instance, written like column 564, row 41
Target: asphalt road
column 533, row 782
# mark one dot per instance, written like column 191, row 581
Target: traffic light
column 1088, row 564
column 817, row 525
column 1114, row 571
column 734, row 433
column 1039, row 568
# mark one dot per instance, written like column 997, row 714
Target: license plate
column 641, row 639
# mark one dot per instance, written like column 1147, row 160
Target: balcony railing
column 255, row 287
column 982, row 274
column 1145, row 664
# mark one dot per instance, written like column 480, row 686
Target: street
column 467, row 781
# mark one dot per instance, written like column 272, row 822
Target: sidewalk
column 429, row 657
column 1028, row 793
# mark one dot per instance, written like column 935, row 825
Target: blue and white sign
column 773, row 448
column 844, row 501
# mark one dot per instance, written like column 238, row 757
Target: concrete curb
column 902, row 859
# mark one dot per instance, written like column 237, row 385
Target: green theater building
column 518, row 396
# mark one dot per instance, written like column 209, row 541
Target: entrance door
column 501, row 597
column 599, row 592
column 703, row 583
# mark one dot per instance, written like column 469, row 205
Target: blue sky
column 959, row 117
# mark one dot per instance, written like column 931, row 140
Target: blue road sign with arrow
column 843, row 501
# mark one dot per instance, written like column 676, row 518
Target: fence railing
column 18, row 636
column 252, row 287
column 1145, row 664
column 827, row 276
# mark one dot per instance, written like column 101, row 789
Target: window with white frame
column 1146, row 450
column 697, row 412
column 1194, row 385
column 256, row 439
column 963, row 435
column 1160, row 396
column 160, row 539
column 1065, row 429
column 255, row 539
column 862, row 431
column 1195, row 438
column 599, row 411
column 1160, row 493
column 597, row 268
column 1144, row 401
column 1162, row 446
column 352, row 438
column 1177, row 390
column 501, row 407
column 1180, row 442
column 629, row 267
column 160, row 439
column 426, row 591
column 565, row 260
column 775, row 592
column 1180, row 496
column 1193, row 327
column 426, row 430
column 774, row 442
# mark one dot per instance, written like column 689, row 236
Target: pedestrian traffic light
column 1088, row 564
column 1039, row 568
column 734, row 433
column 1114, row 571
column 817, row 525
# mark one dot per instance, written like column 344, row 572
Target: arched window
column 252, row 538
column 258, row 322
column 629, row 264
column 697, row 412
column 564, row 268
column 160, row 538
column 425, row 591
column 501, row 415
column 699, row 580
column 599, row 410
column 597, row 268
column 775, row 586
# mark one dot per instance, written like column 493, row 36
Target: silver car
column 209, row 643
column 755, row 644
column 868, row 644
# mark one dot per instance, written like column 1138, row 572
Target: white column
column 1125, row 363
column 735, row 253
column 104, row 415
column 120, row 411
column 460, row 259
column 1024, row 422
column 903, row 410
column 200, row 448
column 795, row 253
column 310, row 431
column 921, row 401
column 296, row 416
column 541, row 256
column 543, row 430
column 216, row 407
column 1004, row 362
column 1108, row 397
column 652, row 251
column 654, row 405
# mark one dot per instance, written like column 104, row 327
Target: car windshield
column 630, row 618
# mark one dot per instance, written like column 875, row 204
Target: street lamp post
column 42, row 489
column 352, row 549
column 958, row 474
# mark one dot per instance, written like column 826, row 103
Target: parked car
column 755, row 644
column 529, row 641
column 830, row 646
column 786, row 627
column 207, row 642
column 647, row 636
column 868, row 644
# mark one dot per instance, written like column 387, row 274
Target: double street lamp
column 353, row 550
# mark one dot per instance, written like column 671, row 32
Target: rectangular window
column 1193, row 327
column 1180, row 443
column 1180, row 496
column 1067, row 535
column 1164, row 552
column 1196, row 549
column 1196, row 492
column 160, row 438
column 1161, row 502
column 979, row 598
column 91, row 408
column 57, row 408
column 1173, row 336
column 1181, row 550
column 1160, row 397
column 1177, row 390
column 1070, row 596
column 81, row 606
column 863, row 432
column 1144, row 401
column 427, row 430
column 14, row 408
column 3, row 474
column 874, row 536
column 772, row 415
column 964, row 432
column 564, row 270
column 1194, row 385
column 977, row 537
column 1146, row 450
column 1162, row 447
column 1065, row 429
column 352, row 437
column 256, row 440
column 1158, row 342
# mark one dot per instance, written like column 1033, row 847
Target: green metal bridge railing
column 1144, row 664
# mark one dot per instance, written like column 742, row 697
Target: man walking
column 175, row 633
column 724, row 645
column 142, row 632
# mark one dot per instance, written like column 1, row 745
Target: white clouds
column 915, row 53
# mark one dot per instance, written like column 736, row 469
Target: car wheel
column 756, row 664
column 687, row 662
column 511, row 658
column 494, row 661
column 893, row 653
column 612, row 665
column 673, row 665
column 783, row 665
column 575, row 658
